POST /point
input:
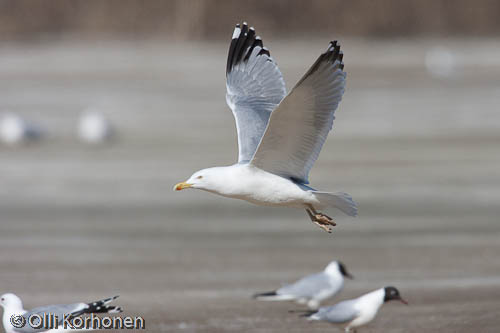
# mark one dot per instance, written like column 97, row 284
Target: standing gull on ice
column 13, row 308
column 14, row 129
column 94, row 127
column 356, row 312
column 279, row 137
column 312, row 289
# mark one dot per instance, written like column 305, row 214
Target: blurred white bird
column 356, row 312
column 14, row 129
column 312, row 289
column 16, row 319
column 279, row 136
column 440, row 62
column 94, row 127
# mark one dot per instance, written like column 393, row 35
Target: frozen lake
column 419, row 153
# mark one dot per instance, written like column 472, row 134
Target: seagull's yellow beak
column 182, row 186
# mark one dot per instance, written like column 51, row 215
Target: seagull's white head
column 209, row 179
column 11, row 301
column 337, row 267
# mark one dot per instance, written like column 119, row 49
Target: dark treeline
column 210, row 19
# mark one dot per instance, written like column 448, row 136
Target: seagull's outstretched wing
column 254, row 88
column 299, row 126
column 339, row 313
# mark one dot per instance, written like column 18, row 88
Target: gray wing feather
column 308, row 286
column 299, row 126
column 255, row 87
column 58, row 309
column 339, row 313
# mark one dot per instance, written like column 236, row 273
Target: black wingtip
column 333, row 54
column 258, row 42
column 242, row 45
column 268, row 293
column 265, row 51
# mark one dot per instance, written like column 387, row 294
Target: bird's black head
column 392, row 294
column 344, row 271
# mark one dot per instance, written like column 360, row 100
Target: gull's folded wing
column 307, row 287
column 60, row 310
column 254, row 88
column 299, row 126
column 340, row 313
column 71, row 310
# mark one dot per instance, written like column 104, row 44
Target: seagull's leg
column 323, row 217
column 311, row 215
column 321, row 220
column 313, row 219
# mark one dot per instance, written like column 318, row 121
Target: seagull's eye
column 3, row 299
column 199, row 177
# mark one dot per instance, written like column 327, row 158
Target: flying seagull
column 13, row 311
column 312, row 289
column 356, row 312
column 279, row 137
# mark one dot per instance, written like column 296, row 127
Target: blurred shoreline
column 212, row 19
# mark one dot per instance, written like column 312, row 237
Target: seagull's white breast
column 368, row 306
column 336, row 284
column 246, row 182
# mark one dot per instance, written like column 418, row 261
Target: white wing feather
column 299, row 126
column 255, row 87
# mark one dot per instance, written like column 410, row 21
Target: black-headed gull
column 358, row 311
column 311, row 289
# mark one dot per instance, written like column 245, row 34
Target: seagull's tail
column 340, row 200
column 309, row 314
column 102, row 306
column 272, row 296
